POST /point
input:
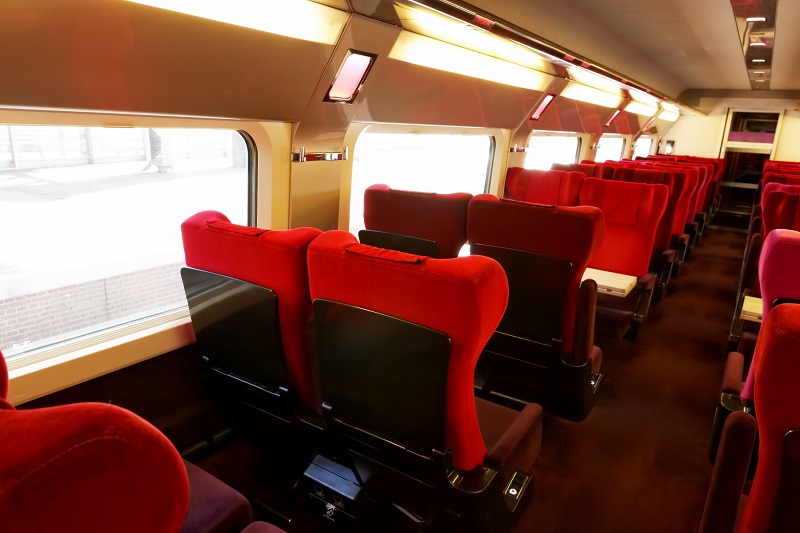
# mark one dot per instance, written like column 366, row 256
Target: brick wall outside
column 27, row 320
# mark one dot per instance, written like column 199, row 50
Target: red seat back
column 776, row 366
column 571, row 233
column 631, row 212
column 548, row 187
column 780, row 210
column 780, row 177
column 273, row 259
column 441, row 218
column 463, row 298
column 643, row 174
column 87, row 467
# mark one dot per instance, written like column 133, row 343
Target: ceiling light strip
column 521, row 36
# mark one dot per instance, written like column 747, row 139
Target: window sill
column 51, row 375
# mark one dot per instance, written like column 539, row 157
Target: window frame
column 35, row 375
column 582, row 151
column 497, row 160
column 626, row 144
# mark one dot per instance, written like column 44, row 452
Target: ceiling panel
column 670, row 45
column 785, row 64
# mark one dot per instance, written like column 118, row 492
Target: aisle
column 638, row 463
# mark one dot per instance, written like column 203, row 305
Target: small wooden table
column 611, row 282
column 752, row 309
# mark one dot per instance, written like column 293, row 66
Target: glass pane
column 609, row 149
column 642, row 147
column 418, row 162
column 96, row 215
column 543, row 151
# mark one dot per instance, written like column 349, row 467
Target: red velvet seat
column 590, row 170
column 544, row 251
column 253, row 345
column 398, row 336
column 686, row 180
column 631, row 212
column 549, row 187
column 771, row 505
column 98, row 467
column 440, row 218
column 664, row 256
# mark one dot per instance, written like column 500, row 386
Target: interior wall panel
column 123, row 56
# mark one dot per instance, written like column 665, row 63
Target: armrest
column 584, row 321
column 733, row 377
column 646, row 282
column 519, row 445
column 728, row 476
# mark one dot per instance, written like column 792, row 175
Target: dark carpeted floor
column 638, row 463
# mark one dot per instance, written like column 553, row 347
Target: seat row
column 637, row 219
column 98, row 467
column 779, row 208
column 366, row 356
column 758, row 404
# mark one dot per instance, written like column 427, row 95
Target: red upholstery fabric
column 773, row 186
column 631, row 212
column 464, row 298
column 88, row 467
column 685, row 180
column 437, row 217
column 775, row 177
column 590, row 170
column 782, row 167
column 641, row 174
column 548, row 187
column 780, row 209
column 274, row 259
column 3, row 378
column 572, row 233
column 777, row 364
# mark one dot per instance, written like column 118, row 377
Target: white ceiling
column 668, row 45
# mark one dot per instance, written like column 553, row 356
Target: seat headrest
column 551, row 187
column 618, row 200
column 780, row 209
column 441, row 218
column 573, row 233
column 778, row 267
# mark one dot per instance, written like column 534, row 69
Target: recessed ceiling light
column 759, row 61
column 759, row 81
column 756, row 19
column 758, row 72
column 758, row 43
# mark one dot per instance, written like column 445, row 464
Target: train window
column 93, row 217
column 419, row 162
column 609, row 148
column 642, row 147
column 544, row 150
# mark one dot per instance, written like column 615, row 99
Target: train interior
column 399, row 265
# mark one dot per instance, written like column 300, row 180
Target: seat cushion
column 214, row 507
column 512, row 438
